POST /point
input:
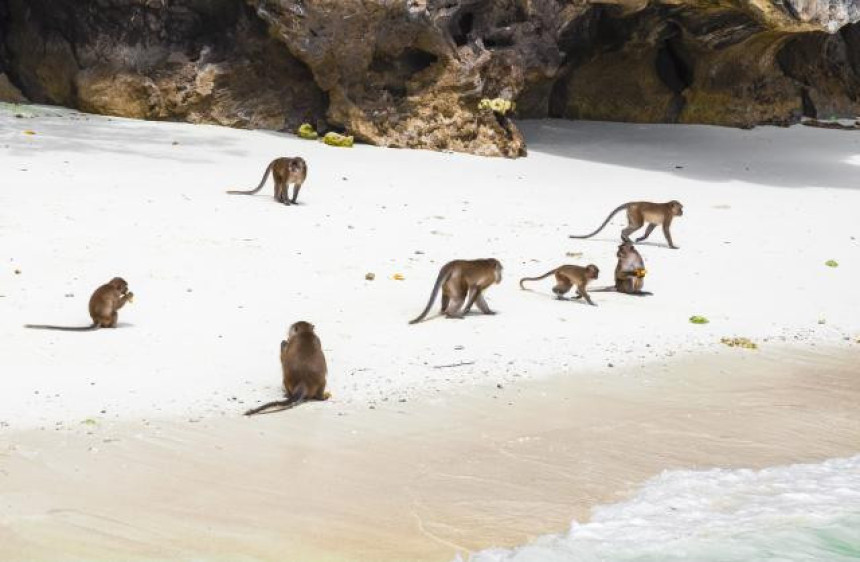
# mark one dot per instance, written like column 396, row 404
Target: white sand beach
column 442, row 438
column 219, row 278
column 434, row 478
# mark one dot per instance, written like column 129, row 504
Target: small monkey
column 629, row 272
column 285, row 171
column 104, row 303
column 566, row 277
column 640, row 212
column 460, row 279
column 304, row 369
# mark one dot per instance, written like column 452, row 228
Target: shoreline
column 485, row 467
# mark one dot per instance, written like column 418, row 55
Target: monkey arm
column 128, row 297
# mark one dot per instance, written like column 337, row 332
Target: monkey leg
column 445, row 300
column 634, row 224
column 482, row 304
column 584, row 294
column 113, row 319
column 475, row 294
column 454, row 306
column 668, row 236
column 648, row 232
column 282, row 192
column 562, row 286
column 296, row 189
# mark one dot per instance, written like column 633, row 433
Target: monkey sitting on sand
column 285, row 171
column 629, row 272
column 304, row 369
column 104, row 304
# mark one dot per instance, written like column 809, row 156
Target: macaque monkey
column 104, row 304
column 304, row 369
column 629, row 272
column 568, row 276
column 640, row 212
column 285, row 171
column 462, row 279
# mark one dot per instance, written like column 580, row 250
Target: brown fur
column 285, row 171
column 641, row 212
column 304, row 369
column 462, row 279
column 629, row 262
column 568, row 276
column 104, row 304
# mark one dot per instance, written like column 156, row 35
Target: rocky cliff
column 411, row 73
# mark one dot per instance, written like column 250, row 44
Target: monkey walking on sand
column 640, row 212
column 104, row 304
column 462, row 279
column 568, row 276
column 304, row 370
column 285, row 171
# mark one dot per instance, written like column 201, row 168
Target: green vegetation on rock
column 306, row 131
column 336, row 139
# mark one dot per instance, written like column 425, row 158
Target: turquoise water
column 794, row 513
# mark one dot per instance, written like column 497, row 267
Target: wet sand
column 416, row 480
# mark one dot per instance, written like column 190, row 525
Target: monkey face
column 592, row 271
column 677, row 209
column 623, row 250
column 119, row 284
column 498, row 273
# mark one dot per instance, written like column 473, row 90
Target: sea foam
column 804, row 512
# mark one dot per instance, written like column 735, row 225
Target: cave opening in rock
column 807, row 105
column 416, row 60
column 499, row 40
column 673, row 67
column 463, row 27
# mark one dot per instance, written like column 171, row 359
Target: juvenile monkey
column 640, row 212
column 566, row 277
column 629, row 272
column 304, row 369
column 104, row 303
column 460, row 279
column 285, row 171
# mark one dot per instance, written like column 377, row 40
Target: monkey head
column 119, row 284
column 498, row 270
column 299, row 327
column 592, row 271
column 625, row 250
column 677, row 208
column 296, row 165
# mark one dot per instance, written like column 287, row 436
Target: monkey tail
column 607, row 289
column 62, row 328
column 294, row 400
column 602, row 226
column 262, row 182
column 444, row 273
column 544, row 276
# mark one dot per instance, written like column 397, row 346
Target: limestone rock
column 411, row 73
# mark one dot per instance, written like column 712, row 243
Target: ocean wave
column 804, row 512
